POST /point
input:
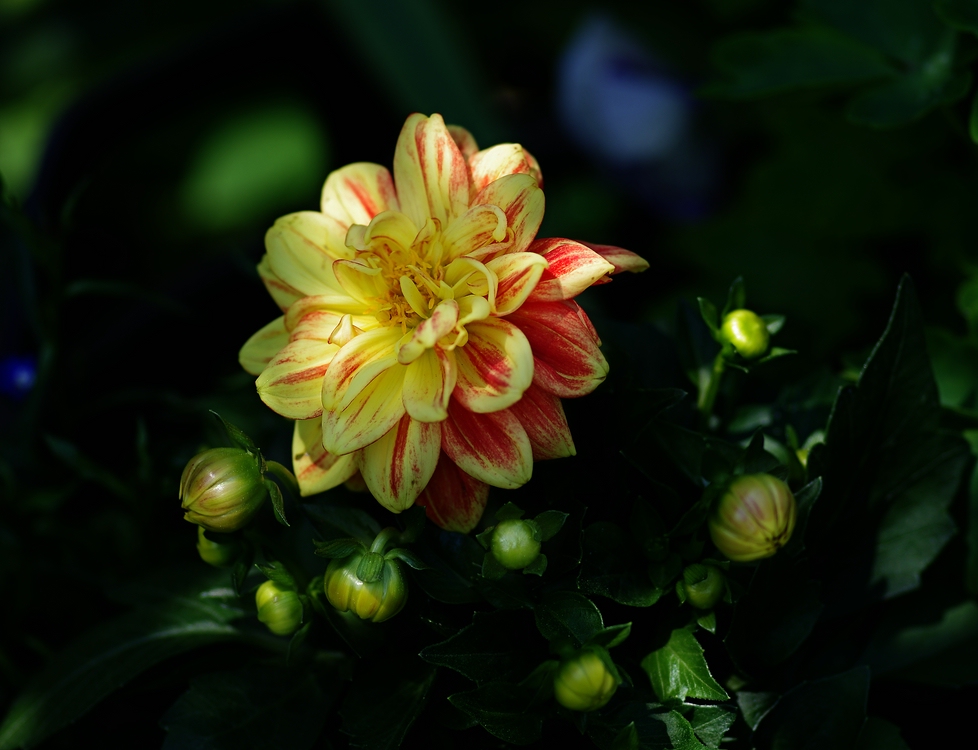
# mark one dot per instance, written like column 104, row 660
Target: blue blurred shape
column 17, row 375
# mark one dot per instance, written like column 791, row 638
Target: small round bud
column 218, row 554
column 704, row 585
column 746, row 332
column 280, row 609
column 377, row 600
column 222, row 488
column 515, row 544
column 584, row 682
column 754, row 518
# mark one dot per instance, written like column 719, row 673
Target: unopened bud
column 222, row 488
column 279, row 608
column 754, row 518
column 746, row 332
column 584, row 682
column 218, row 554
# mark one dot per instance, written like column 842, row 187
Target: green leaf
column 879, row 734
column 253, row 708
column 908, row 98
column 971, row 533
column 773, row 323
column 708, row 311
column 612, row 567
column 627, row 738
column 503, row 710
column 333, row 520
column 88, row 469
column 492, row 569
column 237, row 435
column 736, row 297
column 406, row 556
column 708, row 621
column 276, row 571
column 537, row 567
column 339, row 548
column 611, row 636
column 509, row 511
column 758, row 64
column 678, row 670
column 961, row 14
column 550, row 522
column 776, row 352
column 386, row 696
column 454, row 561
column 278, row 502
column 819, row 714
column 566, row 616
column 299, row 637
column 755, row 706
column 413, row 521
column 710, row 723
column 657, row 728
column 496, row 646
column 107, row 657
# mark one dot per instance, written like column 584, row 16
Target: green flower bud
column 704, row 585
column 375, row 600
column 218, row 554
column 515, row 544
column 754, row 518
column 584, row 683
column 746, row 332
column 280, row 609
column 222, row 488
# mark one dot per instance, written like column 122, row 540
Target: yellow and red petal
column 542, row 416
column 316, row 469
column 397, row 467
column 259, row 350
column 493, row 448
column 301, row 250
column 465, row 141
column 453, row 499
column 386, row 232
column 356, row 193
column 362, row 285
column 494, row 367
column 356, row 364
column 572, row 268
column 428, row 385
column 522, row 202
column 293, row 380
column 566, row 359
column 325, row 304
column 478, row 227
column 283, row 294
column 442, row 321
column 620, row 258
column 518, row 274
column 430, row 173
column 499, row 161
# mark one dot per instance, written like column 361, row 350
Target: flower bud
column 515, row 544
column 222, row 488
column 584, row 682
column 704, row 585
column 280, row 609
column 374, row 600
column 746, row 332
column 754, row 518
column 218, row 554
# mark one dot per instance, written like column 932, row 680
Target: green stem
column 382, row 538
column 286, row 476
column 708, row 395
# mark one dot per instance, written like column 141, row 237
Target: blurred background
column 146, row 147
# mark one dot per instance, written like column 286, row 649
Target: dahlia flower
column 427, row 338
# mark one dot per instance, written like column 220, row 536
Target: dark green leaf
column 278, row 503
column 767, row 63
column 736, row 297
column 817, row 715
column 492, row 569
column 612, row 567
column 611, row 636
column 708, row 312
column 406, row 556
column 496, row 646
column 708, row 621
column 908, row 98
column 773, row 323
column 503, row 709
column 961, row 14
column 413, row 521
column 510, row 511
column 251, row 709
column 550, row 522
column 537, row 567
column 566, row 616
column 237, row 435
column 678, row 670
column 657, row 728
column 298, row 638
column 710, row 723
column 333, row 520
column 275, row 571
column 775, row 352
column 971, row 533
column 626, row 739
column 104, row 659
column 88, row 469
column 454, row 561
column 339, row 548
column 879, row 734
column 386, row 696
column 755, row 706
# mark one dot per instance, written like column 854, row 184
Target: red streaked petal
column 493, row 448
column 573, row 267
column 357, row 192
column 316, row 469
column 259, row 350
column 292, row 382
column 356, row 364
column 518, row 274
column 496, row 162
column 494, row 367
column 542, row 416
column 301, row 249
column 397, row 467
column 283, row 294
column 442, row 321
column 428, row 384
column 429, row 171
column 358, row 420
column 621, row 259
column 453, row 499
column 522, row 201
column 566, row 359
column 465, row 141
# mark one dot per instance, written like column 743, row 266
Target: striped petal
column 465, row 141
column 301, row 250
column 542, row 416
column 572, row 268
column 431, row 175
column 522, row 202
column 292, row 382
column 397, row 467
column 328, row 304
column 518, row 275
column 493, row 448
column 316, row 469
column 496, row 162
column 442, row 321
column 621, row 259
column 480, row 226
column 263, row 346
column 494, row 367
column 566, row 359
column 283, row 294
column 358, row 192
column 428, row 385
column 453, row 499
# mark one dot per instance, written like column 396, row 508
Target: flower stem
column 286, row 476
column 708, row 394
column 382, row 538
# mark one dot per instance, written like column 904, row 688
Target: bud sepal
column 514, row 542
